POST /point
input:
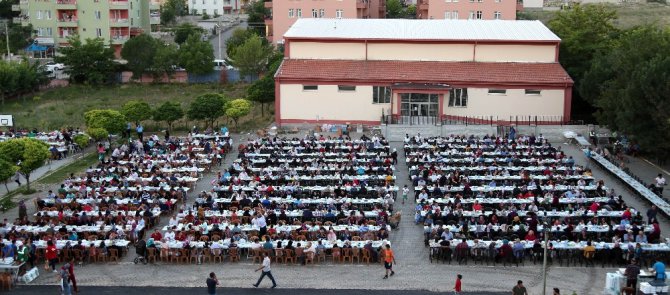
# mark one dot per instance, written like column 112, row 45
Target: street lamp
column 218, row 30
column 544, row 262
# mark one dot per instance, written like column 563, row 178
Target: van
column 221, row 63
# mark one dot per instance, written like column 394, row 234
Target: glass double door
column 419, row 108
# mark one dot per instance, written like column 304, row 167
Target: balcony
column 155, row 20
column 268, row 4
column 119, row 39
column 68, row 22
column 119, row 5
column 268, row 21
column 16, row 7
column 119, row 22
column 154, row 5
column 361, row 4
column 66, row 4
column 423, row 5
column 23, row 20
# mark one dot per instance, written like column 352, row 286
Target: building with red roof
column 419, row 71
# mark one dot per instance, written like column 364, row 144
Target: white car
column 52, row 67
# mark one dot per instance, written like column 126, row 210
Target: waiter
column 261, row 223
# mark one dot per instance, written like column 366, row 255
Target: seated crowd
column 471, row 191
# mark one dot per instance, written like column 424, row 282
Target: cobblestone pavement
column 238, row 291
column 413, row 271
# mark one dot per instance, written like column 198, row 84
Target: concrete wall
column 329, row 104
column 437, row 8
column 465, row 51
column 514, row 103
column 554, row 133
column 316, row 50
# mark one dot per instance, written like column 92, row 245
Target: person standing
column 52, row 256
column 405, row 192
column 659, row 271
column 128, row 128
column 651, row 214
column 23, row 210
column 457, row 287
column 70, row 271
column 266, row 271
column 631, row 273
column 64, row 276
column 519, row 289
column 660, row 183
column 212, row 282
column 17, row 178
column 394, row 156
column 389, row 260
column 140, row 132
column 260, row 222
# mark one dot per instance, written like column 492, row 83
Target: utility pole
column 219, row 31
column 547, row 229
column 7, row 39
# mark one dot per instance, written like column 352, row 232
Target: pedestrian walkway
column 647, row 171
column 51, row 166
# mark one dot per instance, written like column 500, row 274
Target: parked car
column 222, row 63
column 52, row 67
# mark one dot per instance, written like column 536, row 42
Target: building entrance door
column 418, row 108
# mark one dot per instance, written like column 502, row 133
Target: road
column 22, row 289
column 224, row 36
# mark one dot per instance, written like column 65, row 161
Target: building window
column 346, row 88
column 49, row 32
column 497, row 15
column 315, row 13
column 299, row 12
column 47, row 14
column 98, row 15
column 339, row 13
column 322, row 13
column 533, row 92
column 479, row 14
column 458, row 97
column 290, row 13
column 310, row 87
column 98, row 32
column 447, row 1
column 381, row 94
column 454, row 14
column 471, row 15
column 447, row 15
column 498, row 1
column 498, row 91
column 38, row 14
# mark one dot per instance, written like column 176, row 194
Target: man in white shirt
column 261, row 223
column 169, row 235
column 266, row 271
column 660, row 183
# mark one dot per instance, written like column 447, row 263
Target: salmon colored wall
column 437, row 8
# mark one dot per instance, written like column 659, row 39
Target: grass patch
column 79, row 165
column 64, row 107
column 630, row 14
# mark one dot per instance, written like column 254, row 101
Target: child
column 457, row 287
column 405, row 191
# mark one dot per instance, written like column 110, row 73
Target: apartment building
column 115, row 21
column 419, row 71
column 467, row 9
column 287, row 12
column 214, row 7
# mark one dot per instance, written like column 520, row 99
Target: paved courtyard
column 413, row 271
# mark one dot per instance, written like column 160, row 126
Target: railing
column 410, row 120
column 67, row 2
column 498, row 120
column 68, row 20
column 119, row 20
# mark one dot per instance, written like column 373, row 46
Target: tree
column 171, row 9
column 7, row 79
column 237, row 109
column 139, row 52
column 90, row 62
column 237, row 38
column 394, row 9
column 19, row 78
column 168, row 112
column 185, row 30
column 411, row 11
column 251, row 57
column 7, row 170
column 19, row 37
column 164, row 62
column 98, row 134
column 207, row 107
column 257, row 14
column 136, row 111
column 112, row 121
column 262, row 91
column 196, row 56
column 6, row 9
column 82, row 140
column 28, row 154
column 630, row 87
column 586, row 31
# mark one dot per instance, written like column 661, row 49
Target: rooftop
column 428, row 29
column 452, row 73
